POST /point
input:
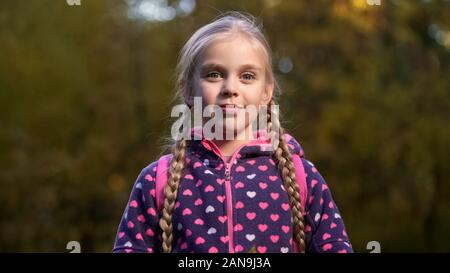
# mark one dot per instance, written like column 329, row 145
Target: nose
column 230, row 88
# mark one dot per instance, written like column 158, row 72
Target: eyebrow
column 207, row 66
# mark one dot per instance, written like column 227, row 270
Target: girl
column 232, row 195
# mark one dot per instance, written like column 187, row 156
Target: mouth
column 231, row 106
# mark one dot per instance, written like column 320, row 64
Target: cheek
column 256, row 95
column 208, row 93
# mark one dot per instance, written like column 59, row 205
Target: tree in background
column 86, row 93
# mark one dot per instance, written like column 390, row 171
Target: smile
column 231, row 108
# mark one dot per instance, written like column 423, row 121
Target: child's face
column 232, row 71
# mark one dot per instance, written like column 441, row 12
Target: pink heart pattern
column 249, row 210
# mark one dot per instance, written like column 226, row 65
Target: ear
column 268, row 93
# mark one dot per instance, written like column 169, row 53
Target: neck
column 228, row 147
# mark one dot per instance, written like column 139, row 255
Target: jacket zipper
column 229, row 205
column 228, row 193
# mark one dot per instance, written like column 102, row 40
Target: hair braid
column 287, row 169
column 170, row 192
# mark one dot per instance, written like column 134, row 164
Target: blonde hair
column 227, row 24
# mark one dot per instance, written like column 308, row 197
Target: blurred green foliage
column 86, row 93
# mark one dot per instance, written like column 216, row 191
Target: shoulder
column 146, row 178
column 148, row 173
column 313, row 176
column 317, row 188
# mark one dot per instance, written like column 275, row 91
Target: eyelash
column 212, row 73
column 249, row 74
column 218, row 73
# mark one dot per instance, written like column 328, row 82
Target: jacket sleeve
column 324, row 226
column 139, row 227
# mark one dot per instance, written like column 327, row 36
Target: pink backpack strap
column 301, row 181
column 301, row 178
column 162, row 176
column 299, row 173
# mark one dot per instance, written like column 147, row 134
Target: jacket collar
column 260, row 146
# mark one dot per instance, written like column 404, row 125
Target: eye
column 214, row 75
column 248, row 76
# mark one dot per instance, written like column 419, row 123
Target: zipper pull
column 227, row 171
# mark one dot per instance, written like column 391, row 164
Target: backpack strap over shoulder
column 301, row 179
column 162, row 176
column 300, row 176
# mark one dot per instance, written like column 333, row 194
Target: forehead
column 235, row 50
